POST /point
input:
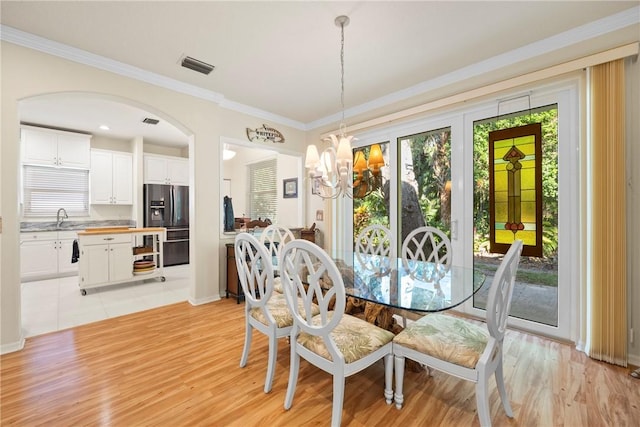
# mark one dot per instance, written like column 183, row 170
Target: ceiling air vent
column 199, row 66
column 150, row 121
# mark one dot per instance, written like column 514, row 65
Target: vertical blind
column 607, row 337
column 48, row 189
column 263, row 190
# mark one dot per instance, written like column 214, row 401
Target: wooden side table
column 233, row 281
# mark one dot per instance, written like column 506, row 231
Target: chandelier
column 337, row 171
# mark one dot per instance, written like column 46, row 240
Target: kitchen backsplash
column 74, row 225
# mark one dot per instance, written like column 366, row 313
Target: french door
column 436, row 173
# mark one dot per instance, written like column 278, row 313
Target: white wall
column 165, row 150
column 289, row 210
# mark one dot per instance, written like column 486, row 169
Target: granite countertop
column 28, row 226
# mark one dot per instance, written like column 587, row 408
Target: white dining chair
column 274, row 237
column 265, row 310
column 333, row 341
column 461, row 348
column 426, row 254
column 373, row 248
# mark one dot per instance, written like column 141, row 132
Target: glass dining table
column 415, row 286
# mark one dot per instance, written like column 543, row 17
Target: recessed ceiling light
column 104, row 127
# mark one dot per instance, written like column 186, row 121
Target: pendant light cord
column 342, row 68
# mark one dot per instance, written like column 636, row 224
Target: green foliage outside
column 430, row 154
column 369, row 210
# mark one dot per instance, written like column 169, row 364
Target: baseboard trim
column 12, row 347
column 204, row 300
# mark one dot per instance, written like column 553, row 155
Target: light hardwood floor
column 178, row 365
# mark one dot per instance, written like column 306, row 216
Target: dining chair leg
column 388, row 378
column 501, row 389
column 271, row 365
column 293, row 378
column 399, row 373
column 247, row 344
column 482, row 400
column 338, row 398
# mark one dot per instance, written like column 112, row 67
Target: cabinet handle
column 108, row 238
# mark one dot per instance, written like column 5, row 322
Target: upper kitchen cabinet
column 111, row 177
column 48, row 147
column 166, row 170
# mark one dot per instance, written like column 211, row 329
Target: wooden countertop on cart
column 119, row 230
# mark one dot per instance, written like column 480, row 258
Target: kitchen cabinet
column 166, row 170
column 48, row 147
column 108, row 256
column 106, row 262
column 46, row 255
column 111, row 177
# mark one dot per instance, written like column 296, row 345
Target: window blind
column 263, row 191
column 47, row 189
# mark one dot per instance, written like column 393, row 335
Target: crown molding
column 256, row 112
column 70, row 53
column 576, row 35
column 568, row 38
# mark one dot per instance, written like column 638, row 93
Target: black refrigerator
column 168, row 206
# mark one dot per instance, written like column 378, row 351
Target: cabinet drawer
column 37, row 236
column 101, row 239
column 66, row 235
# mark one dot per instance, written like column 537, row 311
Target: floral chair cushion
column 277, row 285
column 277, row 306
column 354, row 337
column 446, row 338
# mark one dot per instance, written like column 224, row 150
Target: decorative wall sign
column 515, row 189
column 290, row 188
column 264, row 134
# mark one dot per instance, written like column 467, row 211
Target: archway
column 85, row 112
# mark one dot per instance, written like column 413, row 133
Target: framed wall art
column 290, row 188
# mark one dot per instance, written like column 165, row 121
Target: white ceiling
column 281, row 59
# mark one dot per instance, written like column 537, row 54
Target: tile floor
column 56, row 304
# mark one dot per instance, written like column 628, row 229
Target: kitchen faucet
column 59, row 219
